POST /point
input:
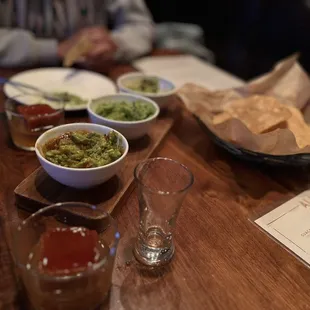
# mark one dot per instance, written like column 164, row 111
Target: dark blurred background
column 246, row 36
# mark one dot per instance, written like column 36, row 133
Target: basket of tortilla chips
column 266, row 120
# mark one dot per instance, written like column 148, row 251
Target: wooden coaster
column 39, row 189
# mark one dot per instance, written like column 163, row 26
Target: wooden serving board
column 39, row 189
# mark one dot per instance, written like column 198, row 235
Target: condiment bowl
column 162, row 97
column 81, row 178
column 130, row 129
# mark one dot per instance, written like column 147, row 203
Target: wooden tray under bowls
column 39, row 189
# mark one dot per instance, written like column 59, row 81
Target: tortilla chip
column 259, row 113
column 78, row 50
column 212, row 101
column 297, row 125
column 221, row 118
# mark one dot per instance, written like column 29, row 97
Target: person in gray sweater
column 40, row 32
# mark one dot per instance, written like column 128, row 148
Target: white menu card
column 290, row 225
column 188, row 69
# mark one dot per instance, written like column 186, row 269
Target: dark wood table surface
column 222, row 260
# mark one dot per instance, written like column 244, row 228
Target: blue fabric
column 186, row 38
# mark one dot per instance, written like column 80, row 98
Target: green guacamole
column 146, row 85
column 126, row 111
column 69, row 98
column 83, row 149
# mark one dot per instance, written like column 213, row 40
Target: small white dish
column 130, row 129
column 166, row 88
column 83, row 83
column 81, row 178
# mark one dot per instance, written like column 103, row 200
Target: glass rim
column 10, row 99
column 164, row 193
column 88, row 271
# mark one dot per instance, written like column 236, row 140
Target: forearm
column 20, row 48
column 133, row 28
column 133, row 41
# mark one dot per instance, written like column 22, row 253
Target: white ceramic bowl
column 79, row 177
column 130, row 129
column 162, row 98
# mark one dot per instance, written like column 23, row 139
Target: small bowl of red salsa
column 28, row 122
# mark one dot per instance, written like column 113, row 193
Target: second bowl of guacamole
column 128, row 111
column 129, row 114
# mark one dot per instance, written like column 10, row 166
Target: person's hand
column 66, row 45
column 103, row 46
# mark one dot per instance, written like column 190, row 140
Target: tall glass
column 162, row 186
column 29, row 116
column 65, row 256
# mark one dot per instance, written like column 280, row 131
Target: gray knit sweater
column 30, row 29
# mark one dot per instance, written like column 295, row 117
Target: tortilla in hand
column 82, row 47
column 259, row 113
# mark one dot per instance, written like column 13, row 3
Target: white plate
column 85, row 84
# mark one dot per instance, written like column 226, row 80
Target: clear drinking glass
column 29, row 116
column 162, row 186
column 65, row 255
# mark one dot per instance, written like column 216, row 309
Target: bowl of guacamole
column 81, row 155
column 155, row 88
column 144, row 85
column 129, row 114
column 83, row 149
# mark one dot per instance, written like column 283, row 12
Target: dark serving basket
column 298, row 160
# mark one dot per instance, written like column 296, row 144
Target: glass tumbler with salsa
column 65, row 255
column 29, row 116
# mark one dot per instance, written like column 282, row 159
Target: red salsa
column 39, row 115
column 68, row 250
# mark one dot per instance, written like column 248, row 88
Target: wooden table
column 222, row 260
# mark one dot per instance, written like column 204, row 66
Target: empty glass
column 162, row 186
column 65, row 256
column 29, row 116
